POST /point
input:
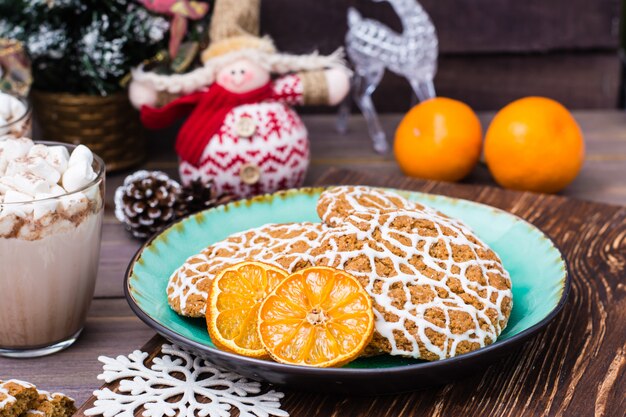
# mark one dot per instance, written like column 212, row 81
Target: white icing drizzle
column 357, row 198
column 49, row 397
column 363, row 226
column 5, row 397
column 362, row 211
column 275, row 244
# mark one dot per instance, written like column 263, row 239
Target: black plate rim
column 304, row 370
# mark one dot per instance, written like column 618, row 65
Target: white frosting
column 5, row 397
column 363, row 227
column 49, row 397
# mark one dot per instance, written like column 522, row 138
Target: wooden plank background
column 492, row 51
column 463, row 26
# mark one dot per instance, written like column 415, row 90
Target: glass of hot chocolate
column 51, row 209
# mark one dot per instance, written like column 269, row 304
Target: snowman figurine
column 240, row 129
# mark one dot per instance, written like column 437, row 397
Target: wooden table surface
column 112, row 329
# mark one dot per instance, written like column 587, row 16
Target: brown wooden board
column 491, row 51
column 111, row 329
column 576, row 367
column 463, row 26
column 489, row 82
column 585, row 80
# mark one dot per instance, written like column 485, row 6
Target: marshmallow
column 58, row 157
column 14, row 148
column 18, row 109
column 33, row 165
column 31, row 184
column 7, row 223
column 6, row 184
column 57, row 190
column 77, row 175
column 4, row 129
column 5, row 106
column 19, row 210
column 93, row 193
column 73, row 203
column 81, row 155
column 41, row 177
column 38, row 150
column 46, row 206
column 12, row 196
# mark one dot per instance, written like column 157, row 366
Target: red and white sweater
column 258, row 147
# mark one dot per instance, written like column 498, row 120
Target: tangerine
column 534, row 144
column 318, row 316
column 439, row 139
column 233, row 304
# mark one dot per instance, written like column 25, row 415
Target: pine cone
column 200, row 195
column 147, row 202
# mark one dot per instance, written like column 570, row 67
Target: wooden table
column 113, row 330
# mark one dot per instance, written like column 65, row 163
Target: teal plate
column 538, row 273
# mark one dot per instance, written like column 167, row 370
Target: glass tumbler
column 49, row 255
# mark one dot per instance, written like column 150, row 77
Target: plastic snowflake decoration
column 172, row 385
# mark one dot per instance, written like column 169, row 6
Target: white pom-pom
column 141, row 94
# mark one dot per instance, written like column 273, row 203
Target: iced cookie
column 16, row 397
column 284, row 245
column 438, row 291
column 51, row 405
column 337, row 203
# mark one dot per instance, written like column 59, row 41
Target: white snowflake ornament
column 173, row 386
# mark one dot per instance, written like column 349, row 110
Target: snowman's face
column 242, row 76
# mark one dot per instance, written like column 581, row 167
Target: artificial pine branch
column 83, row 46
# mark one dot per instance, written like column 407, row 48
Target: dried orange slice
column 318, row 316
column 233, row 305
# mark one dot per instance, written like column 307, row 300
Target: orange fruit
column 318, row 316
column 233, row 304
column 439, row 139
column 534, row 144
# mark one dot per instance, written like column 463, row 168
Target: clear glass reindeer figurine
column 373, row 47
